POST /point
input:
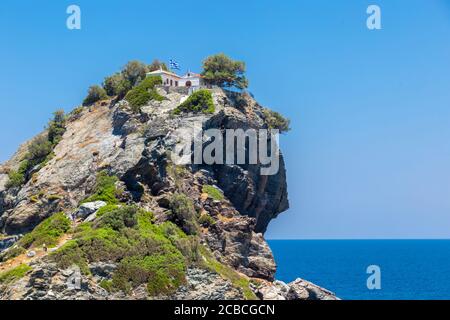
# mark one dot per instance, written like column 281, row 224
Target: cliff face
column 136, row 147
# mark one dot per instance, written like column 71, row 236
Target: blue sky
column 369, row 153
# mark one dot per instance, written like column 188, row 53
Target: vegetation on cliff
column 95, row 94
column 105, row 189
column 146, row 253
column 199, row 101
column 275, row 120
column 213, row 192
column 143, row 93
column 222, row 71
column 14, row 274
column 47, row 232
column 40, row 151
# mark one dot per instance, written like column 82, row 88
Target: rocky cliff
column 231, row 207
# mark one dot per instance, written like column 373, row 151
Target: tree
column 275, row 120
column 38, row 150
column 156, row 65
column 57, row 127
column 95, row 93
column 116, row 85
column 134, row 71
column 222, row 71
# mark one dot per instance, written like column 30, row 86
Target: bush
column 70, row 254
column 213, row 192
column 118, row 219
column 134, row 71
column 56, row 127
column 199, row 101
column 95, row 93
column 143, row 93
column 47, row 232
column 222, row 71
column 16, row 179
column 105, row 189
column 162, row 273
column 106, row 209
column 54, row 197
column 184, row 212
column 38, row 150
column 206, row 220
column 14, row 274
column 116, row 85
column 275, row 120
column 156, row 65
column 145, row 251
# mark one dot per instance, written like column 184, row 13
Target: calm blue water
column 410, row 269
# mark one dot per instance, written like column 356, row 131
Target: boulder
column 31, row 254
column 304, row 290
column 7, row 242
column 86, row 209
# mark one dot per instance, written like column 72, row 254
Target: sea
column 408, row 269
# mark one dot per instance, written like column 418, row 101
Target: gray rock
column 304, row 290
column 8, row 242
column 31, row 254
column 87, row 209
column 91, row 217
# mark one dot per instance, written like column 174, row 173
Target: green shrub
column 107, row 285
column 14, row 274
column 95, row 93
column 116, row 85
column 206, row 220
column 56, row 127
column 105, row 189
column 184, row 212
column 134, row 71
column 47, row 232
column 143, row 93
column 144, row 251
column 40, row 151
column 75, row 113
column 70, row 254
column 106, row 209
column 275, row 120
column 199, row 101
column 118, row 219
column 16, row 179
column 162, row 273
column 213, row 192
column 54, row 197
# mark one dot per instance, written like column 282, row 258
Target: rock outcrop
column 137, row 148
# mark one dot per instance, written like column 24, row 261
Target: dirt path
column 40, row 253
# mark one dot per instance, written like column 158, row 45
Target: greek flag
column 174, row 65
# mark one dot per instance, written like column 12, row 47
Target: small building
column 170, row 79
column 191, row 79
